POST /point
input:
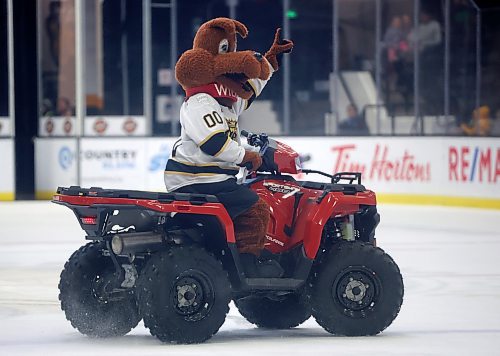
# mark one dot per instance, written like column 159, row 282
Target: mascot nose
column 258, row 56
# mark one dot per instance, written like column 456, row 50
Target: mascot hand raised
column 279, row 47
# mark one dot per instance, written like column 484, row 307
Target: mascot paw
column 279, row 47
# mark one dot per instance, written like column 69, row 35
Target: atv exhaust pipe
column 125, row 244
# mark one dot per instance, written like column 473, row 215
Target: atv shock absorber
column 347, row 228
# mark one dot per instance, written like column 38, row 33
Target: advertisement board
column 422, row 170
column 56, row 126
column 124, row 163
column 115, row 126
column 430, row 170
column 7, row 175
column 55, row 165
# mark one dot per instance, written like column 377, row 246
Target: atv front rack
column 351, row 177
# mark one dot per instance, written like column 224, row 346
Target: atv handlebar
column 257, row 140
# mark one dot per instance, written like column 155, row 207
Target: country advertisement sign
column 113, row 163
column 56, row 163
column 133, row 163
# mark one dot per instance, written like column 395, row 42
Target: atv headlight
column 117, row 245
column 298, row 164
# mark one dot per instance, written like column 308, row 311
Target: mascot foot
column 255, row 268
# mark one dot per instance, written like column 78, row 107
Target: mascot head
column 213, row 60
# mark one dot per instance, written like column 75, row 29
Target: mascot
column 220, row 83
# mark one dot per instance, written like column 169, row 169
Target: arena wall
column 405, row 170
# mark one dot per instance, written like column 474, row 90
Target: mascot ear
column 241, row 29
column 229, row 26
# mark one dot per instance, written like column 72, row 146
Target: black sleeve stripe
column 175, row 167
column 215, row 143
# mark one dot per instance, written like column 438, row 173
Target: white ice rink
column 449, row 258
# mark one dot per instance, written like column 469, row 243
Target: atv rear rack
column 195, row 199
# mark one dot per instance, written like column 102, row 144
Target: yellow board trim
column 418, row 199
column 44, row 194
column 7, row 196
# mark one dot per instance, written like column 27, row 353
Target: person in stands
column 354, row 124
column 481, row 123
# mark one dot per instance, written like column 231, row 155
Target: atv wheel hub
column 186, row 295
column 193, row 295
column 356, row 290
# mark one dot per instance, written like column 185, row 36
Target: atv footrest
column 290, row 284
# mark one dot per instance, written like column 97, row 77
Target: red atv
column 171, row 259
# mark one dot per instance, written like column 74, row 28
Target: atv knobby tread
column 333, row 320
column 288, row 313
column 155, row 271
column 113, row 319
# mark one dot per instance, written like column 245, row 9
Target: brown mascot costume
column 220, row 83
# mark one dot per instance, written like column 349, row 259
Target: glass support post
column 10, row 44
column 146, row 64
column 286, row 71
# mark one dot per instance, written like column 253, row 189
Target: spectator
column 428, row 34
column 64, row 107
column 427, row 40
column 354, row 124
column 396, row 43
column 406, row 25
column 393, row 37
column 481, row 123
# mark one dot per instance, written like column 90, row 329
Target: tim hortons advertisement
column 93, row 126
column 115, row 126
column 56, row 126
column 7, row 176
column 455, row 167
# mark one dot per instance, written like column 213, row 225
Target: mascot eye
column 223, row 46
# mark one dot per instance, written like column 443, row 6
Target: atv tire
column 356, row 290
column 183, row 295
column 288, row 312
column 84, row 288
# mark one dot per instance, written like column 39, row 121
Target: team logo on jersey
column 233, row 128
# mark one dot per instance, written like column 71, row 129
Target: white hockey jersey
column 209, row 148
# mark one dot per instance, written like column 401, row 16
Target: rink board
column 7, row 175
column 406, row 170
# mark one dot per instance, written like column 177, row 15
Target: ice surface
column 450, row 260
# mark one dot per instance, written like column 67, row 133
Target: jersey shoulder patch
column 203, row 99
